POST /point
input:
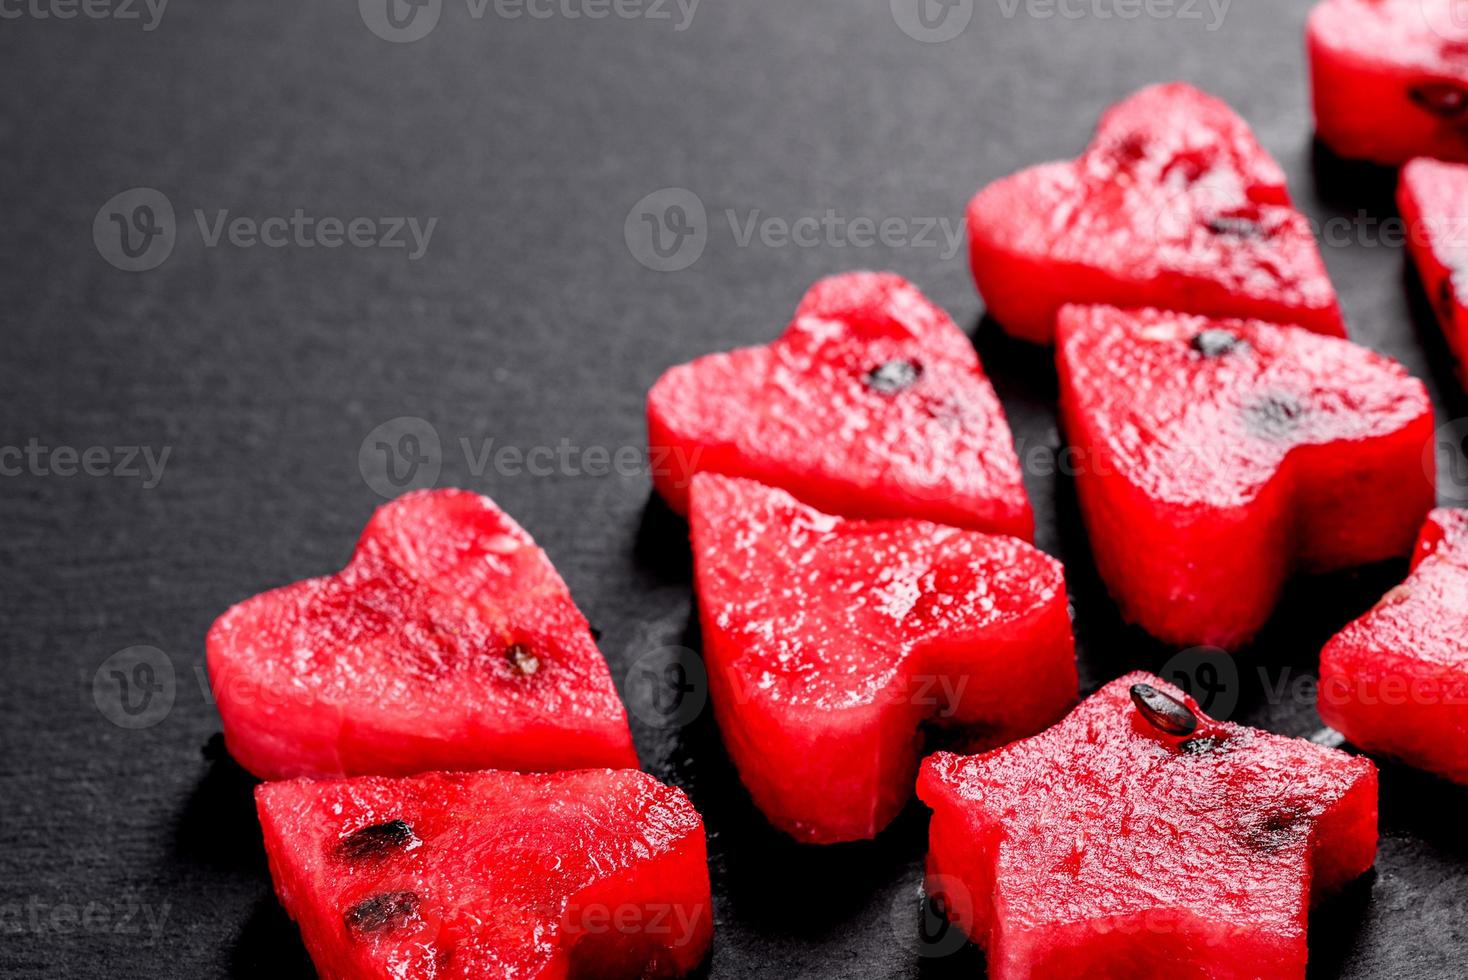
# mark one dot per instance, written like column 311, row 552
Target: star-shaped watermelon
column 1214, row 457
column 830, row 644
column 1433, row 198
column 448, row 642
column 1174, row 205
column 1389, row 78
column 1139, row 830
column 596, row 873
column 1396, row 680
column 873, row 404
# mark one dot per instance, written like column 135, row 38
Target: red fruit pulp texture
column 589, row 874
column 1389, row 78
column 1174, row 205
column 830, row 642
column 1108, row 848
column 1433, row 198
column 1215, row 457
column 1395, row 681
column 872, row 405
column 448, row 642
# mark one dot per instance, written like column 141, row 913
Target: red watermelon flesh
column 1124, row 845
column 1174, row 205
column 830, row 643
column 1215, row 457
column 1433, row 198
column 1396, row 680
column 590, row 874
column 872, row 405
column 1390, row 78
column 448, row 642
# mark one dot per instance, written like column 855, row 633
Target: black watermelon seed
column 381, row 913
column 1446, row 100
column 522, row 659
column 1275, row 416
column 1204, row 746
column 894, row 376
column 1216, row 342
column 1163, row 712
column 1238, row 227
column 377, row 840
column 1447, row 300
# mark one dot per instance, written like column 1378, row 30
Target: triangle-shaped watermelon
column 596, row 873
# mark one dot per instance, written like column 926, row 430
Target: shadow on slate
column 269, row 946
column 217, row 827
column 1352, row 185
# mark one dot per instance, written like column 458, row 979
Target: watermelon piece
column 831, row 643
column 448, row 642
column 596, row 873
column 1433, row 198
column 1395, row 681
column 1140, row 838
column 1215, row 457
column 1174, row 205
column 872, row 405
column 1389, row 78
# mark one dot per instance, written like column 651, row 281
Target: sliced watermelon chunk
column 596, row 873
column 1215, row 457
column 1433, row 198
column 1174, row 205
column 1396, row 680
column 873, row 405
column 448, row 642
column 1140, row 838
column 1389, row 78
column 830, row 642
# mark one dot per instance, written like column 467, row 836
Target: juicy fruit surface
column 1215, row 457
column 1396, row 680
column 596, row 873
column 1106, row 844
column 1390, row 78
column 1173, row 205
column 448, row 642
column 873, row 404
column 829, row 642
column 1433, row 198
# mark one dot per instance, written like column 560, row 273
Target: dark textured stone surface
column 528, row 322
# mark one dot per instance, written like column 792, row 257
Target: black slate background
column 528, row 322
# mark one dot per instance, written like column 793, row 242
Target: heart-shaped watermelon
column 1214, row 457
column 1396, row 680
column 1174, row 205
column 1140, row 838
column 448, row 642
column 1390, row 78
column 873, row 404
column 830, row 644
column 1433, row 198
column 596, row 873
